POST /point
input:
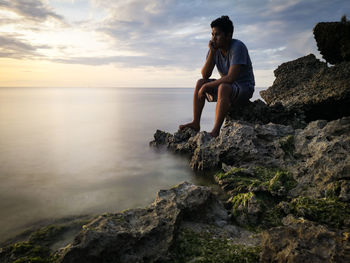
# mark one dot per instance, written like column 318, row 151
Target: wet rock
column 240, row 143
column 160, row 138
column 333, row 40
column 304, row 241
column 181, row 141
column 144, row 235
column 307, row 85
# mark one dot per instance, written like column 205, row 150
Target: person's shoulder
column 237, row 42
column 238, row 46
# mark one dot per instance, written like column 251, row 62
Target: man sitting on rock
column 236, row 85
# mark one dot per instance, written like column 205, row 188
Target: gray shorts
column 240, row 95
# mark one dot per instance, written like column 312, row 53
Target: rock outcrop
column 147, row 235
column 333, row 40
column 307, row 85
column 240, row 144
column 318, row 155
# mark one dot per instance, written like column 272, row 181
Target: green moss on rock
column 240, row 203
column 202, row 247
column 328, row 211
column 46, row 235
column 27, row 252
column 281, row 183
column 258, row 179
column 37, row 249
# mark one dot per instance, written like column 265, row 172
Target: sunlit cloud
column 30, row 9
column 158, row 34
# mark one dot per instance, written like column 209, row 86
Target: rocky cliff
column 285, row 165
column 284, row 169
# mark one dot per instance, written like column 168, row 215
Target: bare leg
column 198, row 104
column 222, row 106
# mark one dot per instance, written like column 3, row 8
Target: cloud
column 35, row 10
column 278, row 6
column 12, row 47
column 169, row 33
column 176, row 33
column 139, row 61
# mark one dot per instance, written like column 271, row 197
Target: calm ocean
column 73, row 151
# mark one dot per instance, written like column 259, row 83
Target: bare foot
column 190, row 125
column 214, row 134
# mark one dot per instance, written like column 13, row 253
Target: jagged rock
column 318, row 156
column 308, row 85
column 240, row 143
column 145, row 235
column 160, row 138
column 304, row 241
column 333, row 40
column 323, row 166
column 288, row 76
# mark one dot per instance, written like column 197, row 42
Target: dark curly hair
column 224, row 23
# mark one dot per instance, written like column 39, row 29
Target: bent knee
column 200, row 82
column 224, row 90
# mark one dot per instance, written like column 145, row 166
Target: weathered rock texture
column 240, row 143
column 322, row 155
column 308, row 85
column 146, row 235
column 318, row 155
column 272, row 172
column 304, row 241
column 333, row 40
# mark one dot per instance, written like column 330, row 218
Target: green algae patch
column 258, row 179
column 26, row 252
column 47, row 235
column 255, row 195
column 203, row 247
column 281, row 183
column 38, row 248
column 234, row 171
column 240, row 202
column 328, row 211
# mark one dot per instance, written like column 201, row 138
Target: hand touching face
column 218, row 38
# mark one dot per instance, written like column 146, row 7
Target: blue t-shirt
column 237, row 55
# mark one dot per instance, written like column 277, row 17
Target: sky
column 147, row 43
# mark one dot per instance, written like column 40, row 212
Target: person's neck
column 225, row 48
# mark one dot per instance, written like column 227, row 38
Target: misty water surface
column 72, row 151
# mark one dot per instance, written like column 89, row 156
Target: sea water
column 73, row 151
